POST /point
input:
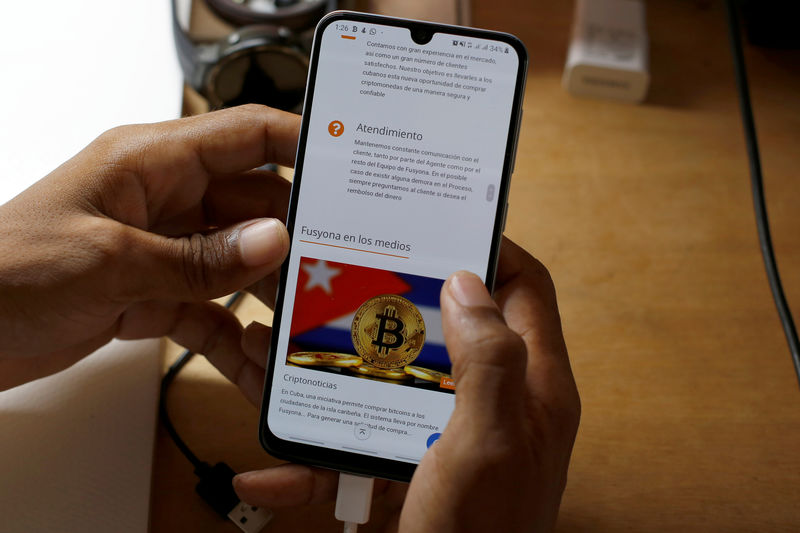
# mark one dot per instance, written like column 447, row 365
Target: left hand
column 129, row 239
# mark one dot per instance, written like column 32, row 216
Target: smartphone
column 406, row 149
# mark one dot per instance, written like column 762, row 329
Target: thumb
column 206, row 266
column 488, row 358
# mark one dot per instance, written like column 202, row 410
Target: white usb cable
column 353, row 500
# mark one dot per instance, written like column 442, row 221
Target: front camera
column 421, row 35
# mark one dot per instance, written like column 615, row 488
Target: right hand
column 501, row 463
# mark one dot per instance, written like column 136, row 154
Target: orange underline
column 348, row 37
column 354, row 249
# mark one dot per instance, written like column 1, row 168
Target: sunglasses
column 265, row 61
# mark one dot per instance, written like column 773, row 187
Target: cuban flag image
column 328, row 295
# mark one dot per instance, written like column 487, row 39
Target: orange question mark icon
column 335, row 128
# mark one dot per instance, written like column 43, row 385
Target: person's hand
column 501, row 462
column 130, row 237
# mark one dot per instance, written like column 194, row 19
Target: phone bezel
column 337, row 459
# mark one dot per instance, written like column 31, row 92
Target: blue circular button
column 433, row 438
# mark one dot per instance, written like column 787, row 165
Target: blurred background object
column 261, row 57
column 772, row 23
column 608, row 53
column 235, row 52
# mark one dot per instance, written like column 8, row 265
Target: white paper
column 71, row 70
column 76, row 448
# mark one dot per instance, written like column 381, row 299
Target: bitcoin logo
column 395, row 332
column 388, row 331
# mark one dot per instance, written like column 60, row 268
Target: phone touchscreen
column 399, row 184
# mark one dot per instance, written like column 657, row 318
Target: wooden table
column 691, row 411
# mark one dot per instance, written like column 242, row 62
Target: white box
column 608, row 53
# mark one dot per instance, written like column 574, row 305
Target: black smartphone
column 406, row 149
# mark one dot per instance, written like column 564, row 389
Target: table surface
column 643, row 213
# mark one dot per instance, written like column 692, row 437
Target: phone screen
column 399, row 183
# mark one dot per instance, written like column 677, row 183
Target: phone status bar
column 350, row 31
column 357, row 28
column 481, row 45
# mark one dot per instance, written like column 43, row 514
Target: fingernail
column 240, row 478
column 262, row 242
column 469, row 290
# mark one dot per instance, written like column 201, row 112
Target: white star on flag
column 320, row 275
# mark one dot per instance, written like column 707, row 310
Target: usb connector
column 353, row 500
column 249, row 518
column 216, row 488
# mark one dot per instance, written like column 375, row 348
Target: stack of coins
column 338, row 360
column 357, row 366
column 388, row 334
column 425, row 374
column 381, row 373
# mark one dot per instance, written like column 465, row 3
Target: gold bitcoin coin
column 388, row 331
column 324, row 359
column 426, row 374
column 381, row 373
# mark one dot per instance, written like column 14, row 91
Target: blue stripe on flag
column 424, row 291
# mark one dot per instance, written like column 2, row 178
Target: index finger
column 149, row 173
column 230, row 140
column 526, row 295
column 527, row 298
